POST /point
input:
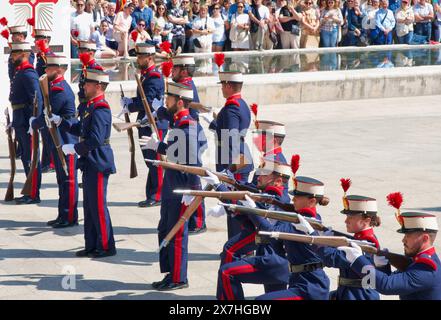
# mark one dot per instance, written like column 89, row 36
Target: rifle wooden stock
column 200, row 107
column 122, row 126
column 133, row 170
column 9, row 196
column 399, row 261
column 184, row 218
column 27, row 188
column 44, row 85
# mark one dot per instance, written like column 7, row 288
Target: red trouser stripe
column 71, row 178
column 101, row 213
column 231, row 272
column 199, row 216
column 238, row 176
column 34, row 176
column 178, row 249
column 290, row 298
column 159, row 172
column 238, row 245
column 52, row 163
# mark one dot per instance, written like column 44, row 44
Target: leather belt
column 262, row 240
column 307, row 267
column 346, row 282
column 18, row 106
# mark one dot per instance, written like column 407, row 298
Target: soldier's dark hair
column 375, row 220
column 321, row 200
column 103, row 86
column 279, row 140
column 432, row 236
column 237, row 86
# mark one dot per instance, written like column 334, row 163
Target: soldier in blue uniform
column 18, row 35
column 269, row 266
column 62, row 100
column 183, row 147
column 24, row 86
column 230, row 127
column 153, row 85
column 307, row 280
column 96, row 162
column 47, row 158
column 421, row 280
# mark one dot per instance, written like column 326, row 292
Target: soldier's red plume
column 42, row 46
column 254, row 108
column 165, row 46
column 5, row 34
column 166, row 68
column 134, row 35
column 345, row 184
column 4, row 21
column 31, row 22
column 295, row 163
column 219, row 59
column 85, row 58
column 395, row 199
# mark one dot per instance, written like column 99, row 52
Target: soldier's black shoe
column 26, row 200
column 80, row 185
column 102, row 253
column 83, row 253
column 52, row 222
column 157, row 284
column 47, row 169
column 64, row 224
column 149, row 203
column 197, row 230
column 173, row 286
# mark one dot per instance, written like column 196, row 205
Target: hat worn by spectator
column 275, row 128
column 274, row 167
column 181, row 91
column 42, row 33
column 21, row 47
column 230, row 76
column 97, row 76
column 91, row 46
column 57, row 61
column 18, row 29
column 306, row 186
column 183, row 60
column 145, row 49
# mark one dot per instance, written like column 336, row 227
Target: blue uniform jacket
column 153, row 85
column 182, row 147
column 11, row 67
column 235, row 115
column 94, row 132
column 23, row 87
column 420, row 281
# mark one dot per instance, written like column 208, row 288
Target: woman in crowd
column 219, row 20
column 290, row 19
column 138, row 35
column 405, row 19
column 310, row 37
column 121, row 27
column 160, row 23
column 99, row 37
column 370, row 11
column 239, row 29
column 354, row 19
column 330, row 21
column 202, row 29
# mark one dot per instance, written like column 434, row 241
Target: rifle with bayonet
column 133, row 170
column 44, row 85
column 27, row 188
column 9, row 196
column 401, row 262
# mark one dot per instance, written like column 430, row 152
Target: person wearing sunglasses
column 142, row 12
column 81, row 26
column 384, row 24
column 239, row 28
column 220, row 21
column 138, row 35
column 310, row 37
column 331, row 19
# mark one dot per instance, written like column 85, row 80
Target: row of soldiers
column 287, row 269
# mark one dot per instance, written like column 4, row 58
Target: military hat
column 144, row 48
column 42, row 33
column 97, row 76
column 87, row 45
column 18, row 29
column 21, row 47
column 180, row 90
column 270, row 166
column 354, row 204
column 57, row 61
column 306, row 186
column 183, row 60
column 231, row 76
column 417, row 221
column 275, row 128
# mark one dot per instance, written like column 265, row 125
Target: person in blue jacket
column 421, row 280
column 96, row 162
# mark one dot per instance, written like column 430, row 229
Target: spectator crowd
column 116, row 26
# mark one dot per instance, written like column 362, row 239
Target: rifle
column 27, row 188
column 133, row 170
column 399, row 261
column 11, row 145
column 44, row 85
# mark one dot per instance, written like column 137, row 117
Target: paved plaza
column 384, row 146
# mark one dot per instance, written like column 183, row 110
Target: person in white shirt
column 260, row 17
column 121, row 27
column 405, row 19
column 81, row 27
column 239, row 28
column 99, row 38
column 219, row 20
column 424, row 15
column 368, row 22
column 202, row 30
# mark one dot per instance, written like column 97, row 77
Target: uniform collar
column 235, row 96
column 278, row 191
column 181, row 114
column 311, row 212
column 274, row 151
column 95, row 100
column 147, row 70
column 363, row 234
column 186, row 80
column 429, row 251
column 58, row 80
column 24, row 65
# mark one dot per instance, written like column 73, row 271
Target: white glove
column 68, row 149
column 216, row 211
column 208, row 117
column 125, row 101
column 55, row 119
column 352, row 253
column 187, row 199
column 211, row 178
column 31, row 119
column 156, row 104
column 248, row 202
column 149, row 143
column 303, row 225
column 144, row 122
column 230, row 175
column 380, row 261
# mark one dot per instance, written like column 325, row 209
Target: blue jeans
column 73, row 51
column 329, row 38
column 423, row 29
column 405, row 39
column 437, row 25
